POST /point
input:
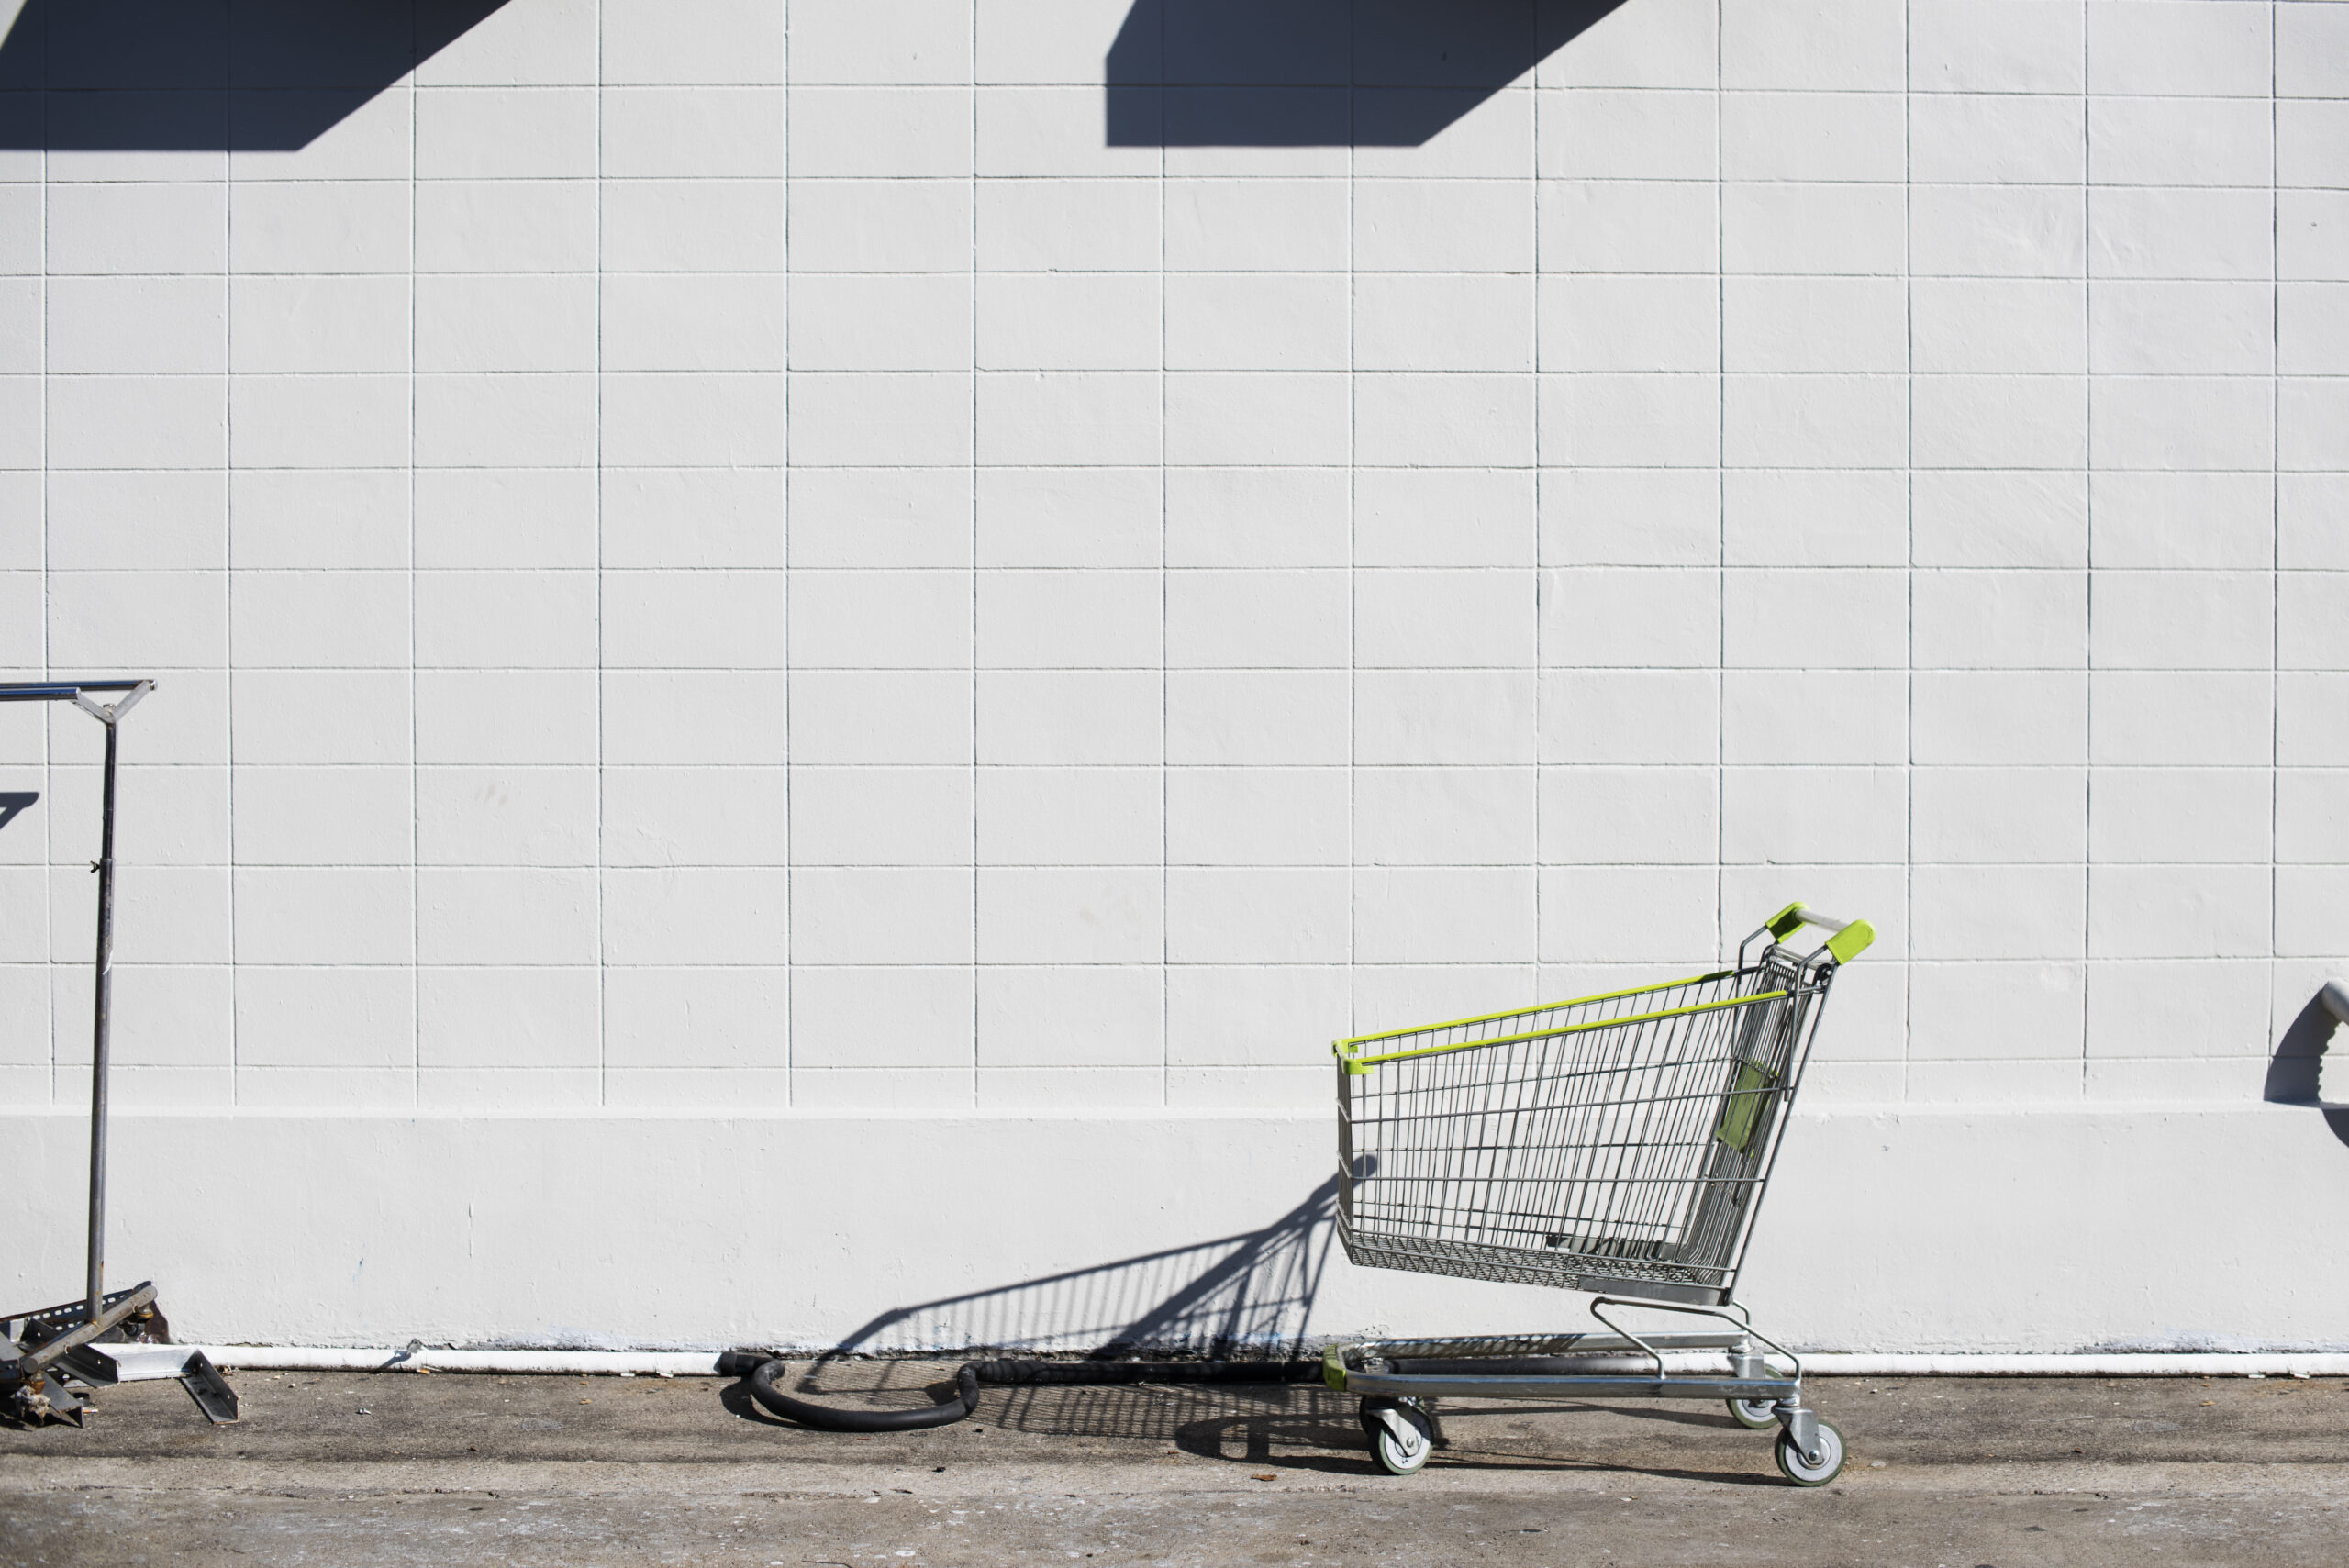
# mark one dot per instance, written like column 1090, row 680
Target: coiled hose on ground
column 763, row 1371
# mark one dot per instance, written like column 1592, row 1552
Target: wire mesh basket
column 1617, row 1144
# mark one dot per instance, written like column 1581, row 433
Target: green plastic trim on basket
column 1362, row 1065
column 1346, row 1046
column 1744, row 1107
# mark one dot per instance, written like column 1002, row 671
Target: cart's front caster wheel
column 1817, row 1468
column 1397, row 1455
column 1754, row 1414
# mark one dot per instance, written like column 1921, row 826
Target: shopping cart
column 1617, row 1144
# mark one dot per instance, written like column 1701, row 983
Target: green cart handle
column 1846, row 939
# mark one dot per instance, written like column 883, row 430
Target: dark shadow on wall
column 210, row 75
column 1238, row 1297
column 1322, row 72
column 2298, row 1065
column 13, row 802
column 1244, row 1297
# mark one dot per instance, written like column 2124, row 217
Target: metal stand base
column 51, row 1359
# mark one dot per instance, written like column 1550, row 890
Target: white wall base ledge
column 2153, row 1234
column 1833, row 1363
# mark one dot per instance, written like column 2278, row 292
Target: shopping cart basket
column 1617, row 1144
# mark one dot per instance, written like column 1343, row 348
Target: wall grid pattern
column 733, row 554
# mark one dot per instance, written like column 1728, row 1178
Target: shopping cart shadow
column 1240, row 1297
column 1315, row 1429
column 1261, row 1424
column 1266, row 1426
column 1319, row 1431
column 1322, row 72
column 2295, row 1069
column 15, row 802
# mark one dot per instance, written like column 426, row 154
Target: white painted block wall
column 729, row 562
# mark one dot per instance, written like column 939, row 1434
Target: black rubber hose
column 762, row 1371
column 831, row 1418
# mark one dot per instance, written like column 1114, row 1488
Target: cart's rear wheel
column 1817, row 1468
column 1754, row 1414
column 1403, row 1455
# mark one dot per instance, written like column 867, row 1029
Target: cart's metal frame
column 46, row 1352
column 1400, row 1379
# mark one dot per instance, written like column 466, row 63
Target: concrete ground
column 346, row 1469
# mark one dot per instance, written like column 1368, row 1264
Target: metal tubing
column 1537, row 1345
column 1455, row 1387
column 1731, row 1313
column 102, row 1006
column 703, row 1364
column 60, row 690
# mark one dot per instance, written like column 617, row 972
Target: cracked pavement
column 343, row 1469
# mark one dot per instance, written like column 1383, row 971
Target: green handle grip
column 1846, row 939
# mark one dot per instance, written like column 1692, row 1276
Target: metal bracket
column 111, row 712
column 1801, row 1423
column 123, row 1304
column 46, row 1322
column 43, row 1399
column 209, row 1389
column 1742, row 1357
column 55, row 1350
column 1389, row 1414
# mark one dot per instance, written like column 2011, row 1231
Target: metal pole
column 102, row 1008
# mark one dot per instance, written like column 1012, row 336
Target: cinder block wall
column 934, row 560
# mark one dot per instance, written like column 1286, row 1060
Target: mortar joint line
column 785, row 493
column 2275, row 524
column 974, row 1054
column 603, row 969
column 2088, row 545
column 415, row 767
column 1165, row 679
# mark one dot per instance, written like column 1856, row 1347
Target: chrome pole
column 102, row 1010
